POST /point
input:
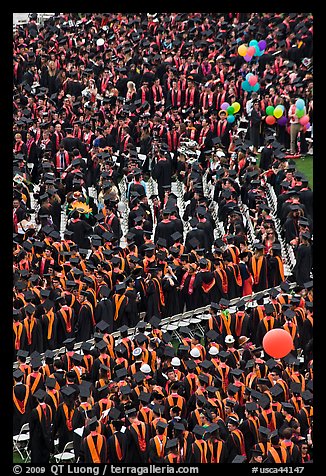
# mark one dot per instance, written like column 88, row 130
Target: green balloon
column 299, row 113
column 269, row 110
column 230, row 110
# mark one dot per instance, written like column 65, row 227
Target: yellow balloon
column 236, row 106
column 242, row 50
column 278, row 112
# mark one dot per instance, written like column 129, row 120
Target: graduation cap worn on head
column 68, row 390
column 17, row 374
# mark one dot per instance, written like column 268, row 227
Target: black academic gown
column 84, row 324
column 40, row 436
column 19, row 419
column 154, row 307
column 112, row 452
column 80, row 230
column 171, row 298
column 60, row 428
column 104, row 311
column 162, row 172
column 165, row 229
column 303, row 265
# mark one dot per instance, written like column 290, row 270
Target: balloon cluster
column 230, row 110
column 300, row 113
column 251, row 83
column 275, row 114
column 255, row 48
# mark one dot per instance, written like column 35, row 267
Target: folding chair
column 20, row 442
column 67, row 454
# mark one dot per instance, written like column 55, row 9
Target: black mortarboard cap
column 190, row 364
column 22, row 353
column 199, row 430
column 223, row 354
column 239, row 459
column 212, row 334
column 285, row 286
column 172, row 443
column 155, row 322
column 276, row 390
column 307, row 396
column 39, row 394
column 139, row 377
column 121, row 373
column 68, row 390
column 224, row 302
column 18, row 374
column 125, row 389
column 178, row 426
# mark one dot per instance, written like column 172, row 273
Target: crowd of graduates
column 105, row 106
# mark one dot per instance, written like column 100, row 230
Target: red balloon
column 277, row 343
column 270, row 120
column 251, row 51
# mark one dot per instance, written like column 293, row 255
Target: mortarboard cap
column 239, row 459
column 125, row 389
column 223, row 354
column 39, row 394
column 287, row 406
column 68, row 390
column 212, row 334
column 276, row 390
column 172, row 443
column 307, row 396
column 199, row 430
column 121, row 373
column 17, row 374
column 139, row 377
column 22, row 353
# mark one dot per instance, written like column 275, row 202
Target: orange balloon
column 270, row 120
column 277, row 343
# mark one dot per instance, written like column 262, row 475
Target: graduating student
column 94, row 446
column 22, row 402
column 40, row 430
column 118, row 444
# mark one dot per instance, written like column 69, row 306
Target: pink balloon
column 247, row 57
column 225, row 105
column 252, row 80
column 251, row 51
column 304, row 120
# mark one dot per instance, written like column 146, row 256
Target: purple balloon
column 225, row 105
column 307, row 125
column 282, row 121
column 247, row 58
column 262, row 44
